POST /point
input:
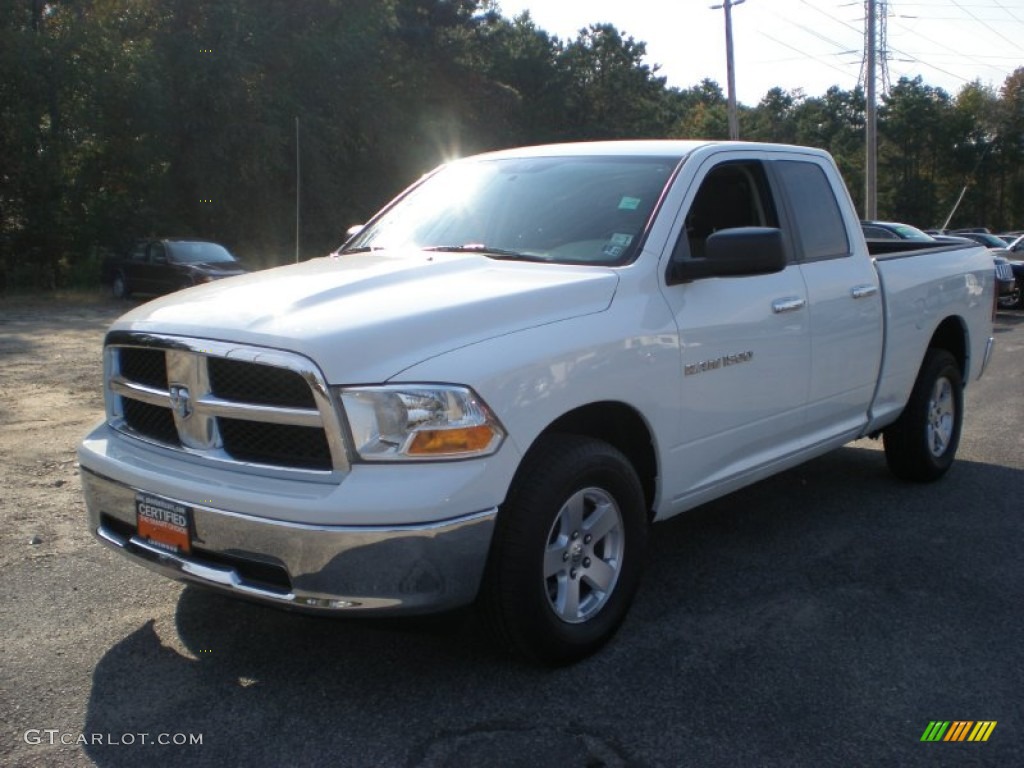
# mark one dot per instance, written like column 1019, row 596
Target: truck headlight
column 419, row 421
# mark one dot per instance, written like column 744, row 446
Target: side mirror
column 738, row 252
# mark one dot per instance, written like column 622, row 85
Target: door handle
column 863, row 291
column 790, row 304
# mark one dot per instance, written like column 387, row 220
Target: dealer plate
column 164, row 523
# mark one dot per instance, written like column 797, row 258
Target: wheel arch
column 952, row 336
column 621, row 426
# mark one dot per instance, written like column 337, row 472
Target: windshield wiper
column 360, row 249
column 486, row 250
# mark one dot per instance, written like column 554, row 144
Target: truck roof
column 641, row 147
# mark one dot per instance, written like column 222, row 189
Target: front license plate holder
column 164, row 523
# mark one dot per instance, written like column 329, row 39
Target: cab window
column 733, row 194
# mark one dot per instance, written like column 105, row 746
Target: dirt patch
column 51, row 393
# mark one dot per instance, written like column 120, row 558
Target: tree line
column 129, row 118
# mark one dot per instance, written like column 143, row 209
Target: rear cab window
column 819, row 231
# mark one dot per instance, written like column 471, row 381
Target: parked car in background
column 1015, row 296
column 890, row 230
column 1009, row 272
column 1007, row 283
column 163, row 265
column 988, row 240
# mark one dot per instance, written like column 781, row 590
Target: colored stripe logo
column 958, row 730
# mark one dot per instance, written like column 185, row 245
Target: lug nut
column 572, row 574
column 565, row 556
column 575, row 535
column 586, row 562
column 587, row 539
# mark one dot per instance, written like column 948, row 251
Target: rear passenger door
column 744, row 341
column 844, row 297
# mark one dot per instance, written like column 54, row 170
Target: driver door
column 744, row 343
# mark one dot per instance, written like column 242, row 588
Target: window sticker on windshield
column 612, row 251
column 620, row 239
column 629, row 203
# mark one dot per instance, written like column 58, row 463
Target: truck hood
column 364, row 318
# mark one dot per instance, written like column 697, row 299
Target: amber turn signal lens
column 435, row 442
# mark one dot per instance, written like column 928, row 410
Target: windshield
column 908, row 232
column 990, row 241
column 570, row 210
column 199, row 253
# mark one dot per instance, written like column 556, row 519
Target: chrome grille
column 223, row 402
column 1004, row 271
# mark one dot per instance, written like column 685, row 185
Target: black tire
column 922, row 443
column 568, row 550
column 120, row 287
column 1014, row 300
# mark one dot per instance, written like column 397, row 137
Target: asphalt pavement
column 824, row 617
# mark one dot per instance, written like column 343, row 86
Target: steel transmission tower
column 881, row 14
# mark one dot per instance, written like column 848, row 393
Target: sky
column 808, row 44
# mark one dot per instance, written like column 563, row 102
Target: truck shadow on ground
column 822, row 596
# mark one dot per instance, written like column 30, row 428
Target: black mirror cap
column 737, row 252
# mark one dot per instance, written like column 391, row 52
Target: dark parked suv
column 162, row 266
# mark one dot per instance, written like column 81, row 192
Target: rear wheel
column 1014, row 299
column 568, row 550
column 922, row 443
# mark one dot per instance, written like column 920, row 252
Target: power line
column 804, row 55
column 1014, row 43
column 1009, row 13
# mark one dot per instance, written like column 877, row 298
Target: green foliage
column 127, row 118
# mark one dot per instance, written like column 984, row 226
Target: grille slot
column 215, row 401
column 284, row 444
column 151, row 421
column 260, row 384
column 143, row 366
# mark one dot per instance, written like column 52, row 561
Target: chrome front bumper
column 385, row 570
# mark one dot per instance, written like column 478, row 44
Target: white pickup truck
column 493, row 388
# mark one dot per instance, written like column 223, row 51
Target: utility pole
column 871, row 128
column 734, row 124
column 298, row 185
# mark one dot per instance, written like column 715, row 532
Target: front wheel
column 568, row 550
column 922, row 443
